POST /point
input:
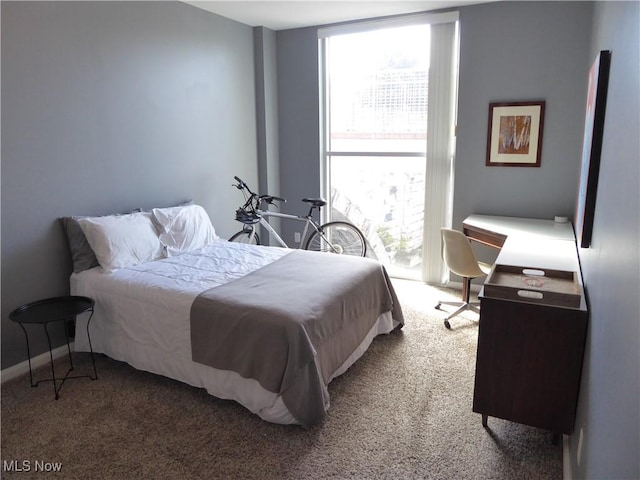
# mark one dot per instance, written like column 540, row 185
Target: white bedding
column 142, row 317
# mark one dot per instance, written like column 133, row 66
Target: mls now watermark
column 30, row 466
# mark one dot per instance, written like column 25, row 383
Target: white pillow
column 122, row 240
column 184, row 228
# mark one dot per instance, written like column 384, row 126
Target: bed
column 265, row 326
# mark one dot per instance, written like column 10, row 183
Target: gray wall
column 513, row 51
column 267, row 117
column 608, row 417
column 267, row 110
column 299, row 116
column 521, row 51
column 110, row 106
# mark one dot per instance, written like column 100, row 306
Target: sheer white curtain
column 441, row 123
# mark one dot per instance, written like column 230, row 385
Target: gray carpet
column 402, row 412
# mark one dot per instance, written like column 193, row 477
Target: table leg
column 95, row 372
column 53, row 371
column 26, row 336
column 66, row 334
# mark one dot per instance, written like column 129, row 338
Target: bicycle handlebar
column 241, row 184
column 261, row 198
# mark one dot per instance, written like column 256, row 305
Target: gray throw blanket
column 270, row 324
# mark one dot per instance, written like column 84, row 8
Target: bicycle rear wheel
column 246, row 236
column 338, row 237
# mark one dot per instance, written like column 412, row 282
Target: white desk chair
column 460, row 259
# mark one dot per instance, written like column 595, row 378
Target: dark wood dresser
column 533, row 323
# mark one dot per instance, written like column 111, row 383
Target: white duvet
column 142, row 317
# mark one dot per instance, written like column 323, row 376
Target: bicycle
column 336, row 237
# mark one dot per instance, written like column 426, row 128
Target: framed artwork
column 592, row 147
column 514, row 136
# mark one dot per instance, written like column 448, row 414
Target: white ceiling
column 287, row 14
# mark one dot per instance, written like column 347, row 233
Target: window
column 389, row 88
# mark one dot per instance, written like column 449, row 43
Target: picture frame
column 592, row 147
column 514, row 137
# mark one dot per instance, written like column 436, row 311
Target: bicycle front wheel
column 338, row 237
column 246, row 236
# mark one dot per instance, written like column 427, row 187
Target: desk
column 497, row 229
column 529, row 357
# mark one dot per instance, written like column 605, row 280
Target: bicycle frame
column 252, row 213
column 267, row 213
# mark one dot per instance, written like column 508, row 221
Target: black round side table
column 49, row 310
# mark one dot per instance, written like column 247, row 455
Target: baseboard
column 42, row 359
column 566, row 459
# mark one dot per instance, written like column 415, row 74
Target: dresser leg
column 484, row 420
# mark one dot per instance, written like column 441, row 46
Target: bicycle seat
column 316, row 202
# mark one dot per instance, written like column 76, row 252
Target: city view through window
column 377, row 133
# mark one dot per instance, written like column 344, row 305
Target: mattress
column 142, row 317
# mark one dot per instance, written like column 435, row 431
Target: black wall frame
column 592, row 147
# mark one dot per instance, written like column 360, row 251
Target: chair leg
column 461, row 306
column 466, row 289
